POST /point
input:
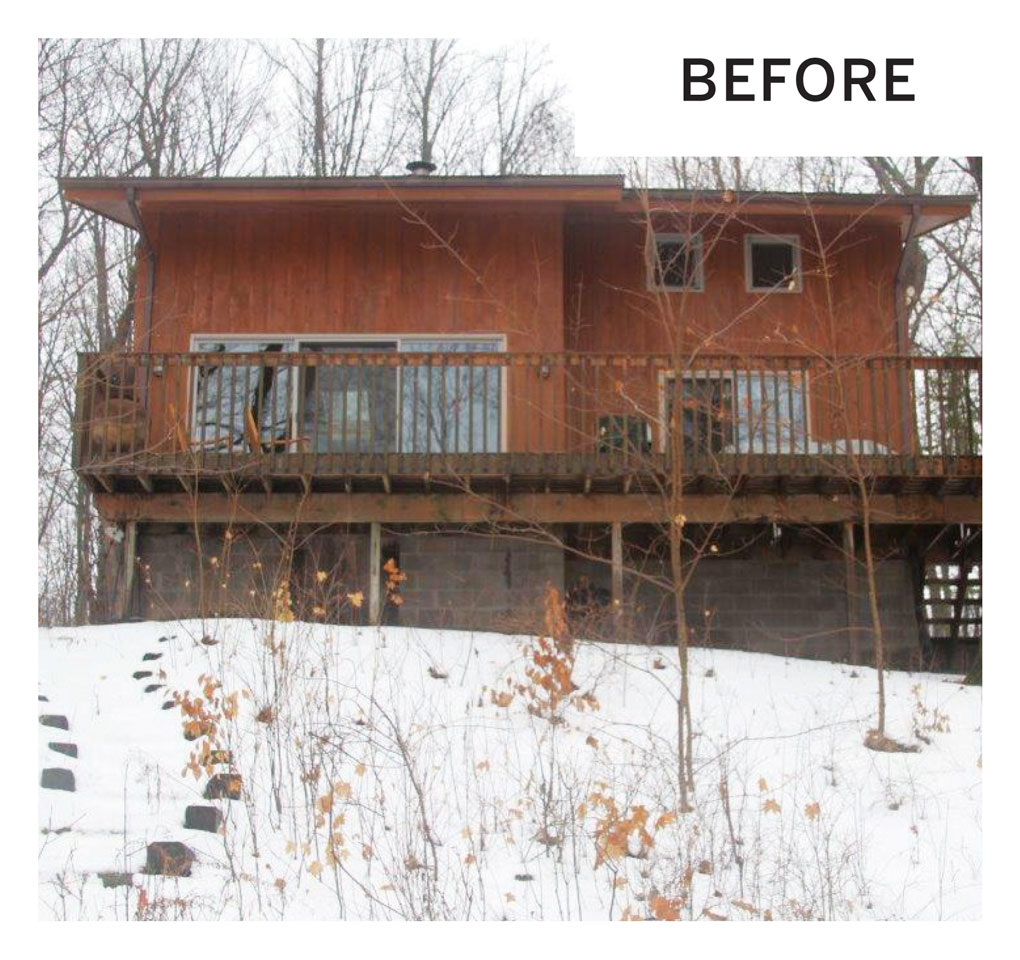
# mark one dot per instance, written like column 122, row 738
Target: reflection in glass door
column 349, row 408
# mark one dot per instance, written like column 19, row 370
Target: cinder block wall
column 789, row 600
column 470, row 582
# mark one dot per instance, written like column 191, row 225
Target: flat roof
column 113, row 197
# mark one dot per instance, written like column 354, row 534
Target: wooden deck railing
column 340, row 413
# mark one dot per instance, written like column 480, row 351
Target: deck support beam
column 374, row 571
column 849, row 554
column 127, row 580
column 617, row 563
column 509, row 508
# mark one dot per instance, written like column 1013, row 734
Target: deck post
column 617, row 562
column 850, row 557
column 128, row 573
column 374, row 571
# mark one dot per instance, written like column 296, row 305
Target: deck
column 497, row 425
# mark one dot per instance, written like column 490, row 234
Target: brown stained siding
column 546, row 284
column 608, row 308
column 359, row 271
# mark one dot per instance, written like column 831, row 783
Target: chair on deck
column 272, row 444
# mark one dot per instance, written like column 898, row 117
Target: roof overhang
column 931, row 211
column 115, row 197
column 111, row 197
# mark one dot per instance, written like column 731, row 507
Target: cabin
column 425, row 400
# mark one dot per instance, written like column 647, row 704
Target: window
column 772, row 263
column 452, row 408
column 676, row 262
column 741, row 411
column 349, row 409
column 352, row 408
column 224, row 394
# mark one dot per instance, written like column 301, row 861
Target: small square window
column 676, row 262
column 773, row 264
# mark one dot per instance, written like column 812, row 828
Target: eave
column 602, row 195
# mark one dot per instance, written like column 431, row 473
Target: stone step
column 151, row 656
column 153, row 687
column 43, row 699
column 223, row 786
column 57, row 778
column 67, row 749
column 168, row 704
column 209, row 819
column 54, row 720
column 169, row 858
column 141, row 674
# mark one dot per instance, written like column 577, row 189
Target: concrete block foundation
column 788, row 594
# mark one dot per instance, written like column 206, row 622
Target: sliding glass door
column 451, row 408
column 374, row 405
column 349, row 408
column 231, row 401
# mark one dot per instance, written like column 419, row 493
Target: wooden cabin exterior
column 396, row 365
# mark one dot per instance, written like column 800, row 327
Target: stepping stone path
column 57, row 778
column 223, row 786
column 151, row 656
column 141, row 674
column 169, row 704
column 171, row 858
column 209, row 819
column 43, row 699
column 153, row 687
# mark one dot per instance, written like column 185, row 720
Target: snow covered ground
column 403, row 773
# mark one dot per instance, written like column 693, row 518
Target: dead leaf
column 664, row 908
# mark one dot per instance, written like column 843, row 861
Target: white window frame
column 292, row 341
column 752, row 240
column 694, row 242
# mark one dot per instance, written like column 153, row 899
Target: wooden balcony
column 500, row 423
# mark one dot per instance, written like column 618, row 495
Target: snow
column 386, row 781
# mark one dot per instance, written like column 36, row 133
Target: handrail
column 218, row 409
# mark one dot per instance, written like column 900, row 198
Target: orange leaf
column 666, row 909
column 665, row 820
column 770, row 806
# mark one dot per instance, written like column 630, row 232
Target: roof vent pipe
column 420, row 168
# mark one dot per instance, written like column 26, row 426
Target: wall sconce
column 544, row 371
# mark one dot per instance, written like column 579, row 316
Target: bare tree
column 529, row 133
column 435, row 98
column 342, row 104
